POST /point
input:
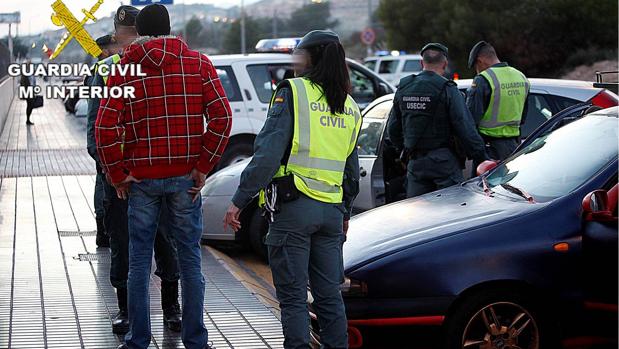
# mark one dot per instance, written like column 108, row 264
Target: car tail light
column 605, row 99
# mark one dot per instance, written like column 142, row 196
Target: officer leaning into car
column 106, row 43
column 497, row 100
column 115, row 208
column 306, row 158
column 428, row 119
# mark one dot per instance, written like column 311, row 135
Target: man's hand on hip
column 122, row 188
column 198, row 181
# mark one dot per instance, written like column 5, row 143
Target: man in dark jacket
column 27, row 81
column 428, row 114
column 106, row 43
column 155, row 147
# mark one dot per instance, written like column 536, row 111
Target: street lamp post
column 243, row 51
column 369, row 47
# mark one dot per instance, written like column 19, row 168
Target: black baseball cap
column 474, row 52
column 125, row 16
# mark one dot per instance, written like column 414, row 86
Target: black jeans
column 29, row 107
column 116, row 225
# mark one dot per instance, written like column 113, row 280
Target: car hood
column 388, row 229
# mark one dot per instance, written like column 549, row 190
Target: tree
column 538, row 37
column 310, row 17
column 193, row 28
column 255, row 30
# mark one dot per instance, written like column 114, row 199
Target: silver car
column 381, row 181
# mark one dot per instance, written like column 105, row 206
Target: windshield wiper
column 519, row 192
column 485, row 186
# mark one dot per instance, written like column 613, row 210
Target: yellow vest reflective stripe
column 108, row 61
column 321, row 142
column 509, row 93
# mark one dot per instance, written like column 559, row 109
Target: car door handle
column 363, row 172
column 247, row 94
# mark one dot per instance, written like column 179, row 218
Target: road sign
column 368, row 36
column 148, row 2
column 10, row 17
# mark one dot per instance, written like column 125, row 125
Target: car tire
column 235, row 152
column 512, row 310
column 258, row 228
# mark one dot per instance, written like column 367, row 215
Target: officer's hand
column 122, row 188
column 345, row 227
column 232, row 218
column 199, row 179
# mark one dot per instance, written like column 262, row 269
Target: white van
column 394, row 68
column 249, row 82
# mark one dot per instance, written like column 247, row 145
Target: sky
column 36, row 14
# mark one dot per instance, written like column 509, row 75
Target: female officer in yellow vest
column 306, row 157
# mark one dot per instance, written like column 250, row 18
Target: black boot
column 102, row 239
column 120, row 322
column 170, row 306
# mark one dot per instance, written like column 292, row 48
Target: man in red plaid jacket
column 156, row 146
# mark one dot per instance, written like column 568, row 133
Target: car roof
column 409, row 56
column 253, row 57
column 574, row 89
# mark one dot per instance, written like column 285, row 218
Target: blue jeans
column 185, row 221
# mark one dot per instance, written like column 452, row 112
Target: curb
column 253, row 284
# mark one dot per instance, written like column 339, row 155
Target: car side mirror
column 486, row 166
column 595, row 207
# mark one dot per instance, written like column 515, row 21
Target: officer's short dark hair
column 431, row 56
column 487, row 51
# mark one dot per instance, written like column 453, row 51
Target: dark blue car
column 498, row 261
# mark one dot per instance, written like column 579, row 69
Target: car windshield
column 555, row 164
column 372, row 128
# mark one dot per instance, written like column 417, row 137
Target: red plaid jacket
column 162, row 131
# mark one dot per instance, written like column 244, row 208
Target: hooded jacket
column 178, row 119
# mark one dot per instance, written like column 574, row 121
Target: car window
column 265, row 78
column 362, row 87
column 388, row 66
column 229, row 82
column 542, row 168
column 412, row 65
column 380, row 110
column 370, row 64
column 372, row 128
column 538, row 112
column 369, row 136
column 564, row 102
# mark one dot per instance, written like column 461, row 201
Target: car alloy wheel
column 501, row 325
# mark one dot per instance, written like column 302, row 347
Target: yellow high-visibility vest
column 109, row 61
column 321, row 143
column 509, row 94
